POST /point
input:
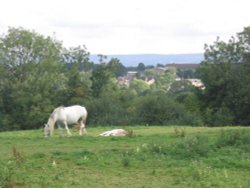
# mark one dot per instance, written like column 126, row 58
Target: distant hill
column 153, row 59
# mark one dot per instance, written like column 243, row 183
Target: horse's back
column 74, row 113
column 75, row 109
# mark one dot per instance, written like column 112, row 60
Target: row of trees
column 38, row 74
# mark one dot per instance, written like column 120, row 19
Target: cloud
column 131, row 26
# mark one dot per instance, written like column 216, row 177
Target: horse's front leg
column 67, row 128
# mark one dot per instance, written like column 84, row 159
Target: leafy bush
column 106, row 111
column 232, row 138
column 163, row 110
column 219, row 117
column 192, row 146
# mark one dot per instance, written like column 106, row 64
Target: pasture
column 149, row 157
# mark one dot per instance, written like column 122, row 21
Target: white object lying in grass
column 115, row 132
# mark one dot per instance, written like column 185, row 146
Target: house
column 160, row 70
column 125, row 80
column 131, row 75
column 197, row 83
column 150, row 80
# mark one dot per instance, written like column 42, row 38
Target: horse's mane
column 55, row 111
column 51, row 120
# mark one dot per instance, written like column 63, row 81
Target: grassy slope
column 153, row 157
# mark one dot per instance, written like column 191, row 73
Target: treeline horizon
column 38, row 74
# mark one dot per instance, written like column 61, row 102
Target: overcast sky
column 129, row 26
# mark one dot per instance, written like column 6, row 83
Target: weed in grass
column 199, row 170
column 57, row 153
column 83, row 153
column 153, row 172
column 38, row 155
column 192, row 146
column 154, row 148
column 180, row 132
column 7, row 169
column 126, row 162
column 6, row 173
column 18, row 156
column 130, row 133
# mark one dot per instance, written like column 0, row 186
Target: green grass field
column 151, row 157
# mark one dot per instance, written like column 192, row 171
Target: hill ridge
column 153, row 59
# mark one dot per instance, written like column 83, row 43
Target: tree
column 103, row 75
column 181, row 86
column 78, row 67
column 164, row 81
column 225, row 74
column 33, row 79
column 100, row 77
column 77, row 57
column 116, row 67
column 140, row 86
column 161, row 109
column 186, row 73
column 141, row 67
column 22, row 46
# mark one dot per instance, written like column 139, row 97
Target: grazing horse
column 64, row 116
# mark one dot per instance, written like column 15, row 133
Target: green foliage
column 100, row 77
column 193, row 146
column 162, row 110
column 9, row 169
column 225, row 74
column 125, row 162
column 79, row 86
column 180, row 132
column 115, row 66
column 190, row 101
column 232, row 138
column 164, row 81
column 181, row 86
column 6, row 174
column 139, row 86
column 186, row 73
column 106, row 111
column 141, row 67
column 37, row 74
column 77, row 57
column 33, row 78
column 21, row 47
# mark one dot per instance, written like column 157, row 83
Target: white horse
column 66, row 116
column 115, row 132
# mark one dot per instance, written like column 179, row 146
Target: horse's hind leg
column 82, row 129
column 67, row 128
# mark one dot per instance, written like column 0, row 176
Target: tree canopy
column 225, row 74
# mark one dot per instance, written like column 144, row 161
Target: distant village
column 160, row 70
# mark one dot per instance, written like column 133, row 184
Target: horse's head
column 46, row 130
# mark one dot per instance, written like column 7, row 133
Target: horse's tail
column 85, row 117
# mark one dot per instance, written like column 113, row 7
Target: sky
column 129, row 26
